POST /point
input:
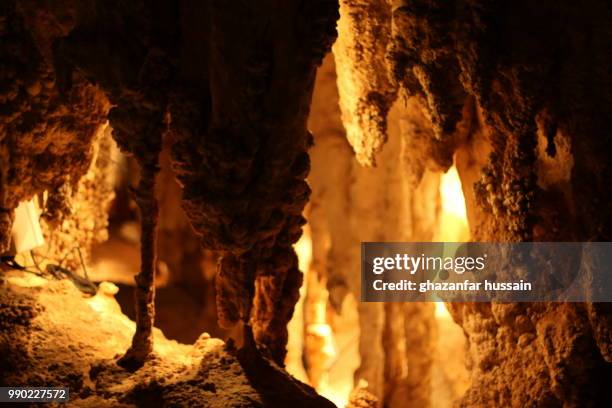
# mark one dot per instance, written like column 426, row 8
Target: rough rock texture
column 542, row 340
column 541, row 108
column 422, row 60
column 45, row 135
column 243, row 170
column 521, row 91
column 86, row 222
column 242, row 165
column 365, row 88
column 52, row 334
column 361, row 398
column 552, row 345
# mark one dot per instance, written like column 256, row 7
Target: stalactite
column 244, row 189
column 422, row 60
column 394, row 191
column 366, row 91
column 138, row 129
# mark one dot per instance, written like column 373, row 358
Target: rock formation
column 45, row 135
column 241, row 201
column 244, row 188
column 135, row 75
column 366, row 90
column 516, row 95
column 535, row 131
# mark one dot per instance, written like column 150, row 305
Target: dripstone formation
column 45, row 135
column 243, row 170
column 366, row 90
column 516, row 95
column 239, row 126
column 136, row 72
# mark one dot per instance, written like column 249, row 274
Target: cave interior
column 184, row 187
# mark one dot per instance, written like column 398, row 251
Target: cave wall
column 46, row 136
column 530, row 82
column 518, row 92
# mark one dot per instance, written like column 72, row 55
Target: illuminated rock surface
column 516, row 95
column 52, row 334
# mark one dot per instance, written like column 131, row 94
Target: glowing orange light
column 453, row 225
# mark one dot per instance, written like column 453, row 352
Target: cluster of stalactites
column 444, row 54
column 389, row 48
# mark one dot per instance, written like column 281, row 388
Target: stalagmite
column 366, row 91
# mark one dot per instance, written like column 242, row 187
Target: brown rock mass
column 243, row 179
column 364, row 84
column 45, row 135
column 517, row 95
column 537, row 131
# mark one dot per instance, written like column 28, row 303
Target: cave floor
column 54, row 335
